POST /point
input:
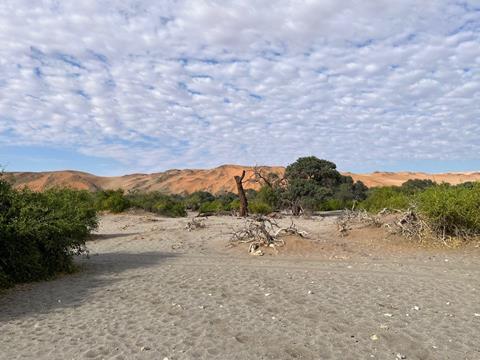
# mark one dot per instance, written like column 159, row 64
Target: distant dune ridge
column 213, row 180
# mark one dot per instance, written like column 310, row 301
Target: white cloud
column 199, row 83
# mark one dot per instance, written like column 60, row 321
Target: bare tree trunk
column 241, row 195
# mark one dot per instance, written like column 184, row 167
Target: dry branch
column 195, row 224
column 349, row 218
column 261, row 231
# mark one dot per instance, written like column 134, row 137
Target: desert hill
column 187, row 181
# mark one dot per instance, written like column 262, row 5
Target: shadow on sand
column 96, row 237
column 70, row 291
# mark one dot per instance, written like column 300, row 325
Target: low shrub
column 234, row 205
column 159, row 203
column 195, row 200
column 335, row 204
column 171, row 208
column 380, row 198
column 258, row 207
column 271, row 196
column 111, row 200
column 40, row 232
column 451, row 210
column 214, row 206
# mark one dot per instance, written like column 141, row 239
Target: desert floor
column 152, row 290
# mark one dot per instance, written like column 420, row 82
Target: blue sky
column 142, row 86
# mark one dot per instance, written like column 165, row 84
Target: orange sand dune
column 214, row 180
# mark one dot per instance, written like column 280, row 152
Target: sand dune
column 214, row 180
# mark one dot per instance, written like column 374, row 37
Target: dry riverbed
column 152, row 290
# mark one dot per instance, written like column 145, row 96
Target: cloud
column 156, row 85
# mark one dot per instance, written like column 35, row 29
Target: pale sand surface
column 152, row 290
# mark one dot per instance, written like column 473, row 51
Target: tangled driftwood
column 195, row 224
column 409, row 224
column 348, row 218
column 406, row 223
column 261, row 231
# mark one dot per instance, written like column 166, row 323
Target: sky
column 116, row 87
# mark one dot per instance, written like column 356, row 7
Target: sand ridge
column 215, row 180
column 152, row 290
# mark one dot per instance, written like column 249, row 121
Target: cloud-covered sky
column 143, row 85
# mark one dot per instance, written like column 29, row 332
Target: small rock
column 145, row 348
column 388, row 315
column 416, row 308
column 476, row 314
column 401, row 356
column 310, row 292
column 268, row 294
column 374, row 337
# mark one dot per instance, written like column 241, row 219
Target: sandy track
column 152, row 290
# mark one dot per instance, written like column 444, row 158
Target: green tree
column 413, row 186
column 312, row 182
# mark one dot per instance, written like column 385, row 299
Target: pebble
column 388, row 315
column 268, row 294
column 401, row 356
column 374, row 337
column 144, row 348
column 476, row 314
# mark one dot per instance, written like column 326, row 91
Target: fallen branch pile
column 406, row 223
column 195, row 224
column 348, row 218
column 261, row 231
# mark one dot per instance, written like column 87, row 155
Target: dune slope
column 214, row 180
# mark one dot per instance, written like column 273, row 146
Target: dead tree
column 270, row 179
column 241, row 195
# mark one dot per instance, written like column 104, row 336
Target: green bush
column 166, row 205
column 40, row 232
column 270, row 195
column 451, row 210
column 226, row 199
column 215, row 206
column 195, row 200
column 171, row 208
column 156, row 202
column 258, row 207
column 234, row 205
column 414, row 186
column 386, row 198
column 335, row 204
column 111, row 200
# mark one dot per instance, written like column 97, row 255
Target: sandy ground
column 152, row 290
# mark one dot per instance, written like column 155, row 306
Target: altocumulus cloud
column 160, row 84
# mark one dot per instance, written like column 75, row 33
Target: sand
column 214, row 180
column 152, row 290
